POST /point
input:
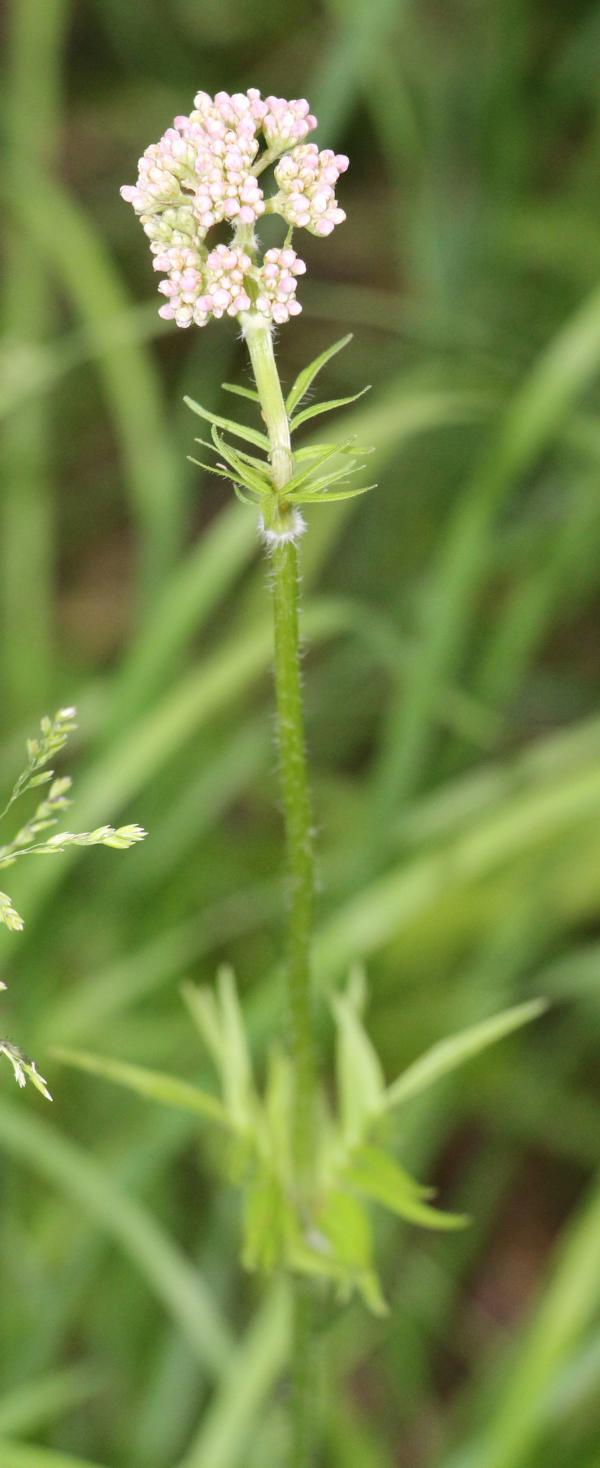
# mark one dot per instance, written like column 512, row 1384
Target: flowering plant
column 309, row 1170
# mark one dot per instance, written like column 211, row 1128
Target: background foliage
column 452, row 690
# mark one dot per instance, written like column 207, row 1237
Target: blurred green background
column 452, row 694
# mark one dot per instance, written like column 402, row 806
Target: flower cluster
column 183, row 285
column 307, row 180
column 278, row 282
column 205, row 171
column 200, row 287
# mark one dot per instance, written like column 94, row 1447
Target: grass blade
column 89, row 1186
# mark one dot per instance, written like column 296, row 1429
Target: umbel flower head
column 204, row 172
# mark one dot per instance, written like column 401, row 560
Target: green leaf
column 379, row 1177
column 241, row 392
column 322, row 481
column 341, row 1250
column 314, row 450
column 360, row 1083
column 202, row 1006
column 239, row 430
column 248, row 476
column 210, row 468
column 261, row 464
column 32, row 1404
column 238, row 1083
column 154, row 1085
column 245, row 499
column 448, row 1054
column 267, row 1221
column 328, row 451
column 308, row 374
column 93, row 1190
column 344, row 1223
column 317, row 408
column 278, row 1100
column 326, row 498
column 26, row 1455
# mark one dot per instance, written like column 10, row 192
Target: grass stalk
column 32, row 114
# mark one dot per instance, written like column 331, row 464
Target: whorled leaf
column 359, row 1077
column 241, row 392
column 339, row 1249
column 316, row 409
column 268, row 1221
column 239, row 430
column 307, row 376
column 377, row 1176
column 154, row 1085
column 456, row 1050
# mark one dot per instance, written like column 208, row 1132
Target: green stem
column 297, row 814
column 260, row 346
column 300, row 861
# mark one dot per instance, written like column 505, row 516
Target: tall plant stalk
column 299, row 858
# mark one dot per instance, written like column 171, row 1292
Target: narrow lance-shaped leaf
column 238, row 1086
column 267, row 1221
column 379, row 1177
column 448, row 1054
column 244, row 471
column 340, row 1250
column 223, row 471
column 325, row 498
column 210, row 468
column 154, row 1085
column 239, row 430
column 326, row 481
column 317, row 408
column 307, row 376
column 346, row 1225
column 330, row 452
column 358, row 1071
column 316, row 477
column 241, row 392
column 314, row 450
column 261, row 465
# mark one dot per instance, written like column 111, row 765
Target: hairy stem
column 300, row 864
column 260, row 346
